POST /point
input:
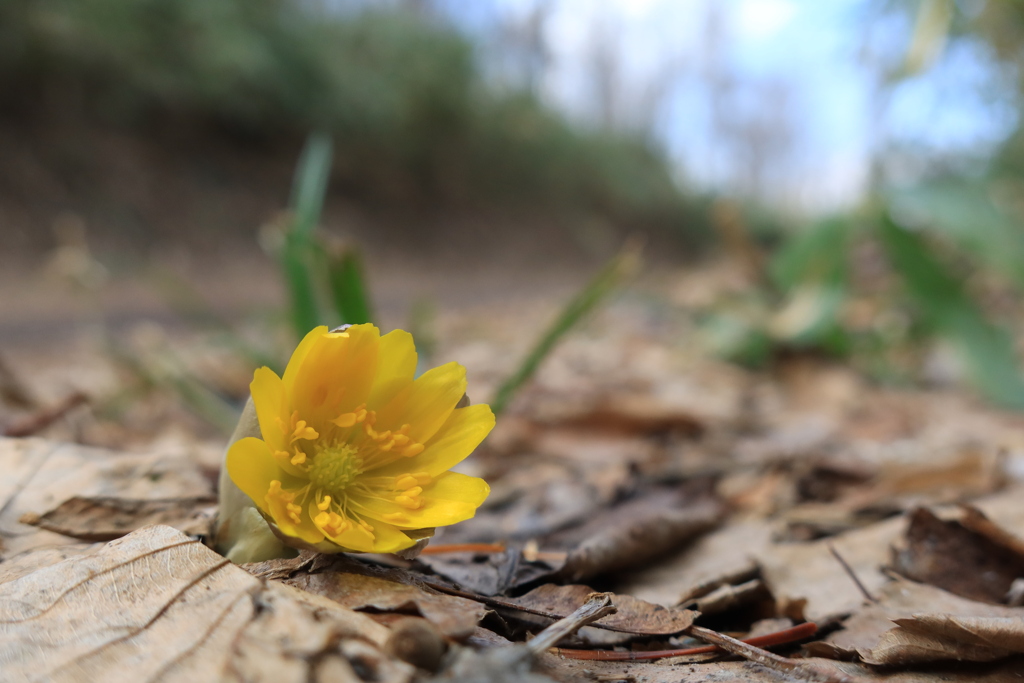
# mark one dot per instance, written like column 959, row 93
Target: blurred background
column 185, row 186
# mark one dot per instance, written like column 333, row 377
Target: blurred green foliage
column 413, row 122
column 936, row 263
column 320, row 275
column 881, row 291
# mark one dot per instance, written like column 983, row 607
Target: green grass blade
column 348, row 286
column 296, row 266
column 610, row 277
column 310, row 183
column 987, row 350
column 297, row 259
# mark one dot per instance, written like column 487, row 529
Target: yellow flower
column 355, row 453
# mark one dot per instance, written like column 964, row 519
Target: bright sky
column 809, row 50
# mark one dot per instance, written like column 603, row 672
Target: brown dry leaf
column 896, row 600
column 40, row 475
column 156, row 605
column 948, row 554
column 107, row 518
column 28, row 562
column 681, row 671
column 635, row 413
column 966, row 473
column 595, row 538
column 809, row 572
column 635, row 532
column 633, row 615
column 455, row 617
column 937, row 637
column 720, row 555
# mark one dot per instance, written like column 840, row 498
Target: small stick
column 598, row 605
column 44, row 418
column 793, row 667
column 789, row 635
column 463, row 548
column 849, row 572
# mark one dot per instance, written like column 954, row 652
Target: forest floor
column 867, row 532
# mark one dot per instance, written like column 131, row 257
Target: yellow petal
column 396, row 368
column 301, row 351
column 304, row 529
column 252, row 467
column 425, row 404
column 449, row 498
column 271, row 402
column 456, row 439
column 336, row 375
column 385, row 538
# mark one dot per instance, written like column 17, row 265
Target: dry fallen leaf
column 937, row 637
column 634, row 533
column 681, row 671
column 810, row 573
column 156, row 605
column 106, row 518
column 899, row 598
column 40, row 475
column 455, row 617
column 950, row 555
column 633, row 615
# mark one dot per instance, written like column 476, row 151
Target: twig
column 786, row 636
column 44, row 418
column 849, row 572
column 598, row 605
column 793, row 667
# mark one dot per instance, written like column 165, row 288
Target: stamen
column 325, row 503
column 407, row 502
column 332, row 524
column 300, row 429
column 413, row 449
column 406, row 481
column 346, row 420
column 397, row 517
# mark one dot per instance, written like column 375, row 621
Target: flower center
column 334, row 468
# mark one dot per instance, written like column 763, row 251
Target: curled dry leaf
column 683, row 670
column 870, row 633
column 937, row 637
column 614, row 537
column 455, row 617
column 156, row 605
column 634, row 413
column 635, row 532
column 724, row 556
column 633, row 615
column 810, row 572
column 106, row 518
column 40, row 474
column 971, row 557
